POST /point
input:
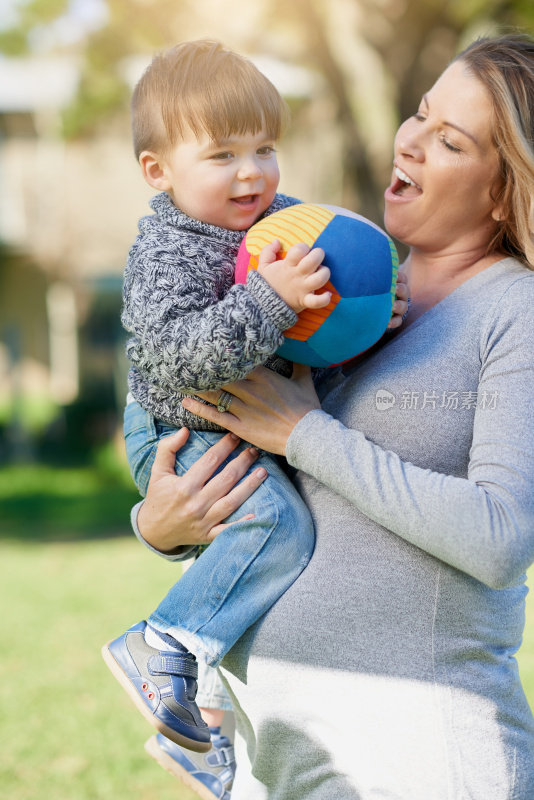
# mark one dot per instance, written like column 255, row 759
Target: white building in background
column 68, row 212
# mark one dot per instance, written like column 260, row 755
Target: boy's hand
column 297, row 277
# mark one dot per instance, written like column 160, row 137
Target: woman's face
column 446, row 169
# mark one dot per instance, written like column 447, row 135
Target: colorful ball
column 363, row 263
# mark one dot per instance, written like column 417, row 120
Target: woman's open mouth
column 403, row 186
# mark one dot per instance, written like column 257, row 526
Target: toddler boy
column 205, row 126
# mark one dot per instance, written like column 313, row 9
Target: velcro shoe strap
column 170, row 664
column 226, row 776
column 220, row 756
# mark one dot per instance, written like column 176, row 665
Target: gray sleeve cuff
column 272, row 305
column 299, row 453
column 180, row 554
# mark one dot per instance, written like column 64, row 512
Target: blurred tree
column 129, row 27
column 15, row 38
column 401, row 44
column 412, row 40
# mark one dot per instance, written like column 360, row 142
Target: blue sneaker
column 163, row 686
column 210, row 775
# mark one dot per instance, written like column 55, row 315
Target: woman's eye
column 419, row 116
column 449, row 145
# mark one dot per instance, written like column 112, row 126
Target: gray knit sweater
column 192, row 328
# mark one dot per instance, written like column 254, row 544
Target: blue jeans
column 246, row 568
column 211, row 691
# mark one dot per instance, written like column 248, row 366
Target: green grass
column 69, row 583
column 68, row 731
column 525, row 656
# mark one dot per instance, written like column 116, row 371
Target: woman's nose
column 409, row 140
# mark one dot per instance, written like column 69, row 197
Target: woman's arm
column 482, row 524
column 476, row 525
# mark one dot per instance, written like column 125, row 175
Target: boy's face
column 229, row 184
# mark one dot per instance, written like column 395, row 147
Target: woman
column 387, row 670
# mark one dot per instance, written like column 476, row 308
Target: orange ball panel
column 311, row 319
column 299, row 225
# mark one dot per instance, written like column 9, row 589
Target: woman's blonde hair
column 204, row 87
column 505, row 65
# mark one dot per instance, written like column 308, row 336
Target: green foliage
column 40, row 12
column 31, row 15
column 39, row 502
column 34, row 412
column 102, row 89
column 13, row 42
column 99, row 96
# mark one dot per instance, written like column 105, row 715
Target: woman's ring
column 223, row 403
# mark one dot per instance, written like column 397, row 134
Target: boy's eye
column 222, row 156
column 266, row 150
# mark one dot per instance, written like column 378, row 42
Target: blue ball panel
column 301, row 353
column 369, row 251
column 354, row 325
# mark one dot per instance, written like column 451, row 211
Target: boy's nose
column 249, row 168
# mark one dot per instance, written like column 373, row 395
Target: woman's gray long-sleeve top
column 387, row 669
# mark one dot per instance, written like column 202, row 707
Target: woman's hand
column 264, row 408
column 190, row 509
column 401, row 302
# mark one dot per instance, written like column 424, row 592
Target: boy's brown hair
column 205, row 87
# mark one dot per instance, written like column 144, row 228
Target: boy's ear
column 153, row 169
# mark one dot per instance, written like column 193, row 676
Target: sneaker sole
column 170, row 733
column 164, row 760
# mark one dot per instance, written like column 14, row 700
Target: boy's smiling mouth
column 245, row 200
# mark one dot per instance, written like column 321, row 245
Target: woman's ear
column 498, row 213
column 153, row 169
